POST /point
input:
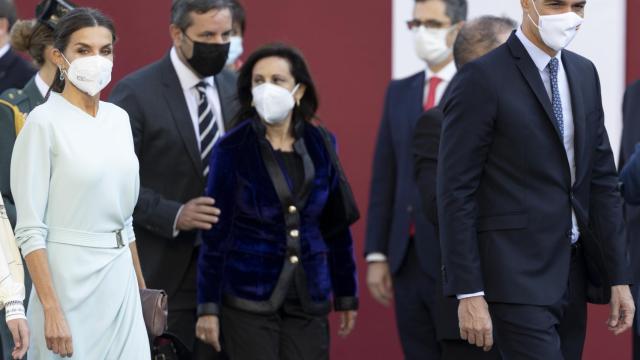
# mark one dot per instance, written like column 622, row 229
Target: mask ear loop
column 533, row 2
column 295, row 88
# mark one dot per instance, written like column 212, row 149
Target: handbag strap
column 328, row 144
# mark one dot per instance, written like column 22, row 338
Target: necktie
column 431, row 95
column 207, row 125
column 556, row 102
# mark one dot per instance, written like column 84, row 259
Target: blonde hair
column 31, row 37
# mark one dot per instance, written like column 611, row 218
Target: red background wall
column 348, row 47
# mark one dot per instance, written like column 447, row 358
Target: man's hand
column 379, row 282
column 622, row 309
column 198, row 214
column 475, row 322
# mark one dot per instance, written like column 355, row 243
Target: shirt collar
column 540, row 58
column 42, row 86
column 446, row 74
column 188, row 80
column 4, row 50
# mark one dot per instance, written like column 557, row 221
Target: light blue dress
column 75, row 182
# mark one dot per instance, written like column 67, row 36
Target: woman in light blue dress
column 74, row 177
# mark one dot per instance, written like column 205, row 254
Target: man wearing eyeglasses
column 402, row 249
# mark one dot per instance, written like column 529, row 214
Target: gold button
column 294, row 259
column 292, row 209
column 294, row 233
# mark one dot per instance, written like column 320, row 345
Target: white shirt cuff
column 376, row 257
column 466, row 296
column 176, row 232
column 14, row 310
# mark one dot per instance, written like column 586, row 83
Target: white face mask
column 235, row 49
column 90, row 74
column 431, row 44
column 557, row 31
column 273, row 102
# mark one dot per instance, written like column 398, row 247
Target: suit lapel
column 579, row 119
column 174, row 97
column 532, row 75
column 415, row 98
column 226, row 92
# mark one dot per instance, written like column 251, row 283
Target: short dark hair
column 74, row 20
column 181, row 10
column 8, row 11
column 456, row 10
column 306, row 111
column 239, row 15
column 479, row 36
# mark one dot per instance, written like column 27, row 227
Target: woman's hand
column 20, row 331
column 57, row 333
column 347, row 322
column 208, row 331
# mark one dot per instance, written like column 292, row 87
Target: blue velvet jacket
column 265, row 239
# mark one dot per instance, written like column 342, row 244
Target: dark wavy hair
column 306, row 111
column 74, row 20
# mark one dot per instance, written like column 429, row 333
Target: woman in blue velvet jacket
column 266, row 273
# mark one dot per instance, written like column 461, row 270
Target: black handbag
column 168, row 347
column 341, row 209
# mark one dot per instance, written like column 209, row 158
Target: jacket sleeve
column 383, row 184
column 426, row 140
column 342, row 265
column 606, row 206
column 7, row 139
column 153, row 211
column 467, row 134
column 11, row 269
column 222, row 187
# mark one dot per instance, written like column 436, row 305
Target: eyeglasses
column 429, row 24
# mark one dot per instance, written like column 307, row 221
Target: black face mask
column 208, row 59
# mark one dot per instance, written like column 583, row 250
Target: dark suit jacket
column 26, row 100
column 630, row 137
column 504, row 187
column 425, row 144
column 393, row 201
column 246, row 259
column 170, row 165
column 15, row 71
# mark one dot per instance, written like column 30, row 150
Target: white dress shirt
column 4, row 50
column 188, row 81
column 541, row 59
column 446, row 74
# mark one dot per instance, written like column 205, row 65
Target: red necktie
column 431, row 95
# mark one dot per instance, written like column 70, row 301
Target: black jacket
column 504, row 187
column 15, row 71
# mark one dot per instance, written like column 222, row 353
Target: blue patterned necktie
column 556, row 102
column 208, row 126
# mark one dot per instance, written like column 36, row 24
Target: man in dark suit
column 401, row 246
column 529, row 210
column 476, row 38
column 631, row 137
column 15, row 71
column 179, row 107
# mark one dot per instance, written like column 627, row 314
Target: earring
column 61, row 74
column 298, row 102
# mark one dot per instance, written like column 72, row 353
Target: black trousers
column 182, row 315
column 554, row 332
column 414, row 298
column 289, row 334
column 461, row 349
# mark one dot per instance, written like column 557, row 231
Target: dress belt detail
column 108, row 240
